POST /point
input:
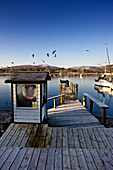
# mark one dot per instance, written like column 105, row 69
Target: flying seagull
column 55, row 55
column 87, row 50
column 53, row 51
column 42, row 60
column 33, row 55
column 33, row 62
column 47, row 54
column 12, row 62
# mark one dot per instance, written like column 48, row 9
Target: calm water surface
column 85, row 85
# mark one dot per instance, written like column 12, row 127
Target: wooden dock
column 73, row 139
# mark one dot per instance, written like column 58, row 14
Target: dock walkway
column 72, row 114
column 73, row 139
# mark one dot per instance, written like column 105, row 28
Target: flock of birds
column 47, row 54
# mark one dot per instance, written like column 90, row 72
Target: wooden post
column 60, row 87
column 84, row 101
column 61, row 100
column 74, row 88
column 76, row 91
column 90, row 106
column 54, row 103
column 104, row 116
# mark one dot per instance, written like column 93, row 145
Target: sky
column 68, row 26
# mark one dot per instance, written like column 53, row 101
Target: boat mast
column 105, row 57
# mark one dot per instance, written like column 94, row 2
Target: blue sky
column 70, row 26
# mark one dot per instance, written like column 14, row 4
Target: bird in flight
column 33, row 55
column 55, row 55
column 33, row 62
column 53, row 51
column 42, row 60
column 12, row 62
column 87, row 50
column 47, row 54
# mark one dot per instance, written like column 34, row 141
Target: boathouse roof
column 28, row 77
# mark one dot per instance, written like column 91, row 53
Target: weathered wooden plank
column 70, row 138
column 34, row 160
column 54, row 140
column 87, row 139
column 59, row 138
column 31, row 136
column 66, row 159
column 2, row 150
column 99, row 164
column 65, row 138
column 50, row 159
column 26, row 135
column 93, row 139
column 76, row 138
column 104, row 139
column 10, row 159
column 89, row 160
column 81, row 159
column 108, row 136
column 98, row 138
column 73, row 159
column 18, row 159
column 10, row 135
column 42, row 159
column 27, row 158
column 48, row 138
column 58, row 159
column 20, row 136
column 81, row 138
column 16, row 134
column 5, row 156
column 104, row 159
column 6, row 133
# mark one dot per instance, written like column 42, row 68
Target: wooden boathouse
column 29, row 96
column 73, row 139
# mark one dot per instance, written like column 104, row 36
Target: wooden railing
column 97, row 102
column 62, row 97
column 74, row 88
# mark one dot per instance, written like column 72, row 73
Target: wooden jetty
column 72, row 139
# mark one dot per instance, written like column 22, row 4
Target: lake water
column 85, row 85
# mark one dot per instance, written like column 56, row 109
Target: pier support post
column 74, row 88
column 61, row 100
column 90, row 106
column 84, row 101
column 103, row 116
column 76, row 91
column 60, row 87
column 54, row 103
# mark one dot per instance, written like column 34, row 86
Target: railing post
column 104, row 116
column 90, row 106
column 54, row 103
column 60, row 87
column 61, row 100
column 84, row 101
column 74, row 88
column 76, row 91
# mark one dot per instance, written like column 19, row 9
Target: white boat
column 81, row 75
column 102, row 81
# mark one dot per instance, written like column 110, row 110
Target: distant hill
column 84, row 67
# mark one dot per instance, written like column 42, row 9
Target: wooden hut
column 29, row 96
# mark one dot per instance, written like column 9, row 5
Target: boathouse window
column 26, row 95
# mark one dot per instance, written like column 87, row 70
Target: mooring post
column 84, row 101
column 60, row 87
column 104, row 116
column 61, row 100
column 74, row 88
column 90, row 106
column 54, row 103
column 76, row 91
